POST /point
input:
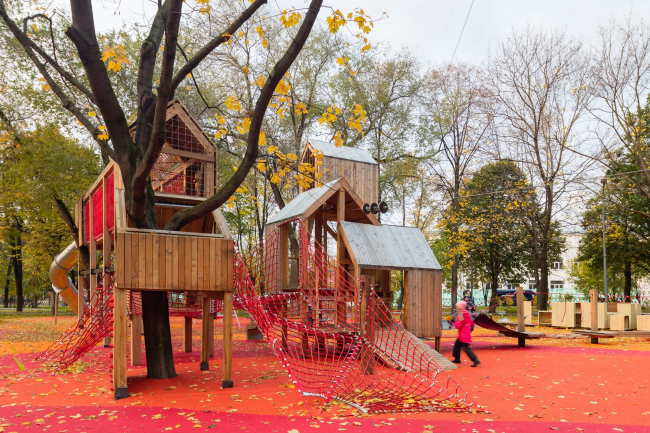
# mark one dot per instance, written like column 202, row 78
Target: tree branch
column 159, row 133
column 24, row 39
column 281, row 67
column 82, row 34
column 146, row 69
column 66, row 101
column 214, row 43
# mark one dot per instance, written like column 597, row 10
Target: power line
column 461, row 32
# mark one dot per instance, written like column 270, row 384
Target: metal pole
column 604, row 247
column 471, row 281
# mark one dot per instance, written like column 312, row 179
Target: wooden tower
column 354, row 165
column 197, row 259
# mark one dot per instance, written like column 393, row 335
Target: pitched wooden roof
column 388, row 247
column 308, row 202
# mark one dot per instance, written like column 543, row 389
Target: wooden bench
column 594, row 335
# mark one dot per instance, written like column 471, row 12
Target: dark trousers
column 468, row 350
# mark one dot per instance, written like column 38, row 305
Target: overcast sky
column 431, row 28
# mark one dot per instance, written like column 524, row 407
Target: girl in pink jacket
column 464, row 324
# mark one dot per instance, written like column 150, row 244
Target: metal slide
column 61, row 282
column 485, row 322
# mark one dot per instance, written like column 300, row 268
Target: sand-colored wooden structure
column 198, row 259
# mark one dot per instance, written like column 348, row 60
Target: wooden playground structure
column 197, row 264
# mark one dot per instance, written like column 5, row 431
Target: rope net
column 95, row 323
column 334, row 343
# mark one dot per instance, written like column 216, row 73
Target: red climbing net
column 95, row 323
column 334, row 342
column 329, row 346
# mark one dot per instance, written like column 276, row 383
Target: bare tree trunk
column 627, row 290
column 5, row 298
column 542, row 289
column 493, row 295
column 17, row 258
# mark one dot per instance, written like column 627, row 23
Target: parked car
column 512, row 293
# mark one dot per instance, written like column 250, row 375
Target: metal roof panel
column 343, row 152
column 393, row 247
column 301, row 203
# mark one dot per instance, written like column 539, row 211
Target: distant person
column 467, row 297
column 464, row 324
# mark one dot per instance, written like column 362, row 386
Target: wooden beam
column 205, row 333
column 120, row 387
column 136, row 340
column 284, row 256
column 437, row 307
column 222, row 223
column 593, row 300
column 211, row 332
column 521, row 326
column 106, row 249
column 187, row 334
column 185, row 154
column 227, row 382
column 366, row 328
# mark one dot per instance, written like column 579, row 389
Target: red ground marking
column 160, row 419
column 568, row 388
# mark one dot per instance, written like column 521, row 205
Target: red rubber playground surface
column 551, row 385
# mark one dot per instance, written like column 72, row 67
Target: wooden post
column 593, row 301
column 106, row 250
column 366, row 329
column 341, row 298
column 92, row 248
column 56, row 307
column 284, row 256
column 187, row 334
column 211, row 335
column 318, row 228
column 120, row 387
column 136, row 340
column 227, row 382
column 521, row 326
column 205, row 333
column 437, row 308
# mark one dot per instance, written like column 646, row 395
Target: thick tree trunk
column 542, row 288
column 157, row 335
column 17, row 258
column 627, row 290
column 5, row 297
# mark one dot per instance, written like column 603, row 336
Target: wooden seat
column 619, row 322
column 643, row 322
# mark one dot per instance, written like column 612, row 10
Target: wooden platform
column 612, row 334
column 594, row 334
column 402, row 360
column 524, row 334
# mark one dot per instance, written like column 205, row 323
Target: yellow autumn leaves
column 116, row 57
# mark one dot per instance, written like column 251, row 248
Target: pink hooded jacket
column 464, row 327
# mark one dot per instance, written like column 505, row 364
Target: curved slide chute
column 61, row 282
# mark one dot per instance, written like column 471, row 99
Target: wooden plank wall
column 154, row 261
column 362, row 177
column 424, row 288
